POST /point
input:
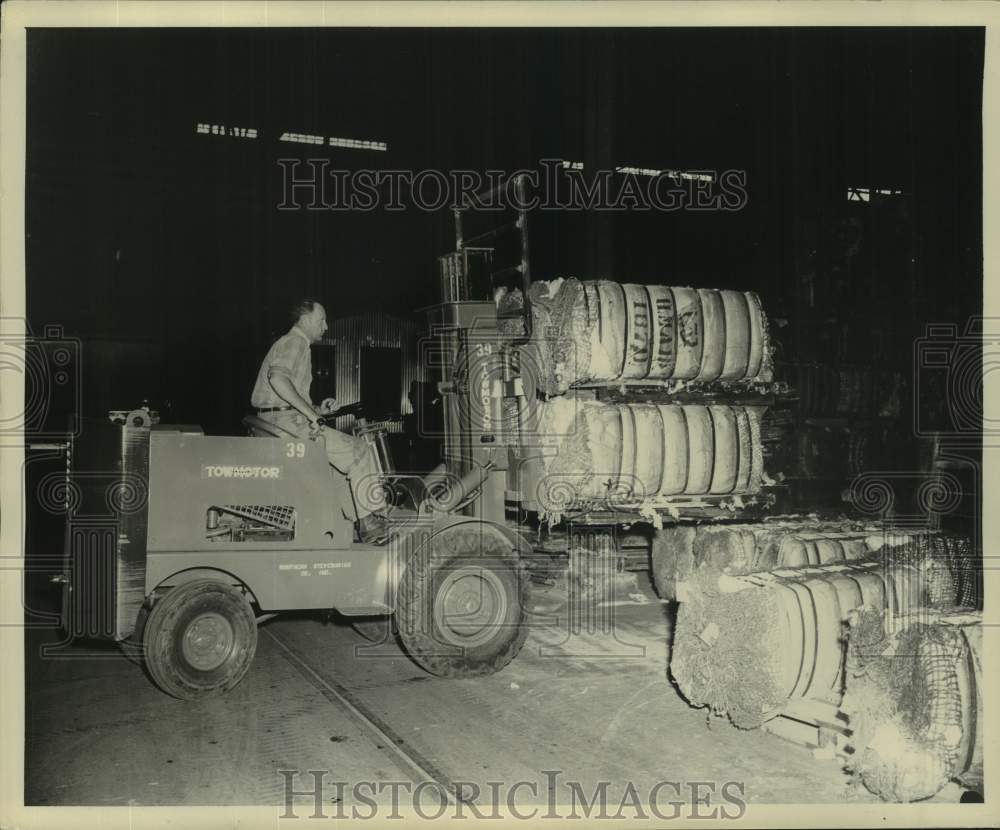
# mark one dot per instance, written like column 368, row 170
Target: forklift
column 215, row 534
column 202, row 538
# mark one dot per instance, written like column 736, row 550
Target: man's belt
column 261, row 410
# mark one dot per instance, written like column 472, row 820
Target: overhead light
column 358, row 144
column 220, row 129
column 294, row 138
column 301, row 138
column 864, row 194
column 647, row 171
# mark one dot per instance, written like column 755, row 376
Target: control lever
column 351, row 409
column 356, row 409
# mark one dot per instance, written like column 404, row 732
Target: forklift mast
column 474, row 365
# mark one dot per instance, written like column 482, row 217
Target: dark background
column 163, row 251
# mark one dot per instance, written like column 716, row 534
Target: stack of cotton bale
column 776, row 542
column 631, row 453
column 750, row 645
column 593, row 335
column 606, row 333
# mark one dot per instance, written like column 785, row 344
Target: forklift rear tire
column 200, row 639
column 462, row 605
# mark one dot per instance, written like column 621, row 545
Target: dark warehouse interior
column 169, row 230
column 161, row 249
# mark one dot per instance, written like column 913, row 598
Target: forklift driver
column 281, row 397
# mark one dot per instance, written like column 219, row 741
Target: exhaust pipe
column 446, row 493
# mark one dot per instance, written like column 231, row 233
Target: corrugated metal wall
column 350, row 334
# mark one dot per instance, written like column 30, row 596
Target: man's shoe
column 373, row 530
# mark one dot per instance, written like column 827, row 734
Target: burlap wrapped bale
column 743, row 548
column 560, row 347
column 730, row 549
column 727, row 653
column 913, row 726
column 638, row 452
column 511, row 322
column 950, row 567
column 605, row 332
column 745, row 646
column 582, row 458
column 672, row 558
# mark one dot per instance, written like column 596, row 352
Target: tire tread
column 158, row 634
column 418, row 581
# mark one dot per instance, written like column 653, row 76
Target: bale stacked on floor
column 955, row 571
column 747, row 645
column 602, row 332
column 914, row 700
column 727, row 652
column 733, row 549
column 761, row 546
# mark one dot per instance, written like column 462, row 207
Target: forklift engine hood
column 270, row 512
column 265, row 513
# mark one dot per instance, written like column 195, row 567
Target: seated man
column 281, row 397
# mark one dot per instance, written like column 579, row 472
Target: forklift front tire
column 199, row 639
column 461, row 605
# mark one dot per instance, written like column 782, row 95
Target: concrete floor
column 595, row 706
